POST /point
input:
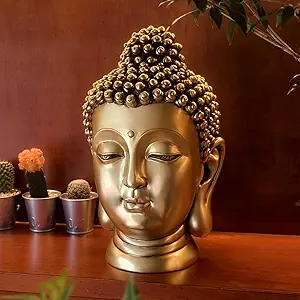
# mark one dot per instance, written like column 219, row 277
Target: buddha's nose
column 134, row 177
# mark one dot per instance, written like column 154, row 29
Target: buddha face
column 147, row 167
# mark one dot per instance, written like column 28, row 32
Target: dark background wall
column 51, row 52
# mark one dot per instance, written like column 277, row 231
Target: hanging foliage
column 249, row 16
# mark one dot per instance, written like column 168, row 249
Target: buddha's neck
column 174, row 252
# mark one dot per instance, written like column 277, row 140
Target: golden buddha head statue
column 153, row 129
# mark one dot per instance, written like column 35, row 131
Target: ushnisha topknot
column 153, row 70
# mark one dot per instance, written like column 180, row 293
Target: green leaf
column 56, row 288
column 131, row 292
column 201, row 4
column 216, row 16
column 68, row 292
column 238, row 13
column 195, row 13
column 284, row 15
column 262, row 16
column 230, row 31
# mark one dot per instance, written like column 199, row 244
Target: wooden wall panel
column 51, row 51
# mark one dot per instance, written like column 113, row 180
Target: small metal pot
column 8, row 211
column 41, row 211
column 79, row 213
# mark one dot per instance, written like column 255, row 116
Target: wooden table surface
column 232, row 266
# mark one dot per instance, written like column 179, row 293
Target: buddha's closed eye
column 163, row 152
column 109, row 157
column 164, row 157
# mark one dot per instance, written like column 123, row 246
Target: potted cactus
column 79, row 204
column 40, row 203
column 7, row 196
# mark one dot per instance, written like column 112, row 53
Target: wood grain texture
column 51, row 52
column 232, row 266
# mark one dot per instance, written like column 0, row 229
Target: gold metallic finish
column 118, row 85
column 143, row 70
column 180, row 87
column 167, row 71
column 144, row 39
column 158, row 95
column 130, row 133
column 156, row 152
column 108, row 96
column 173, row 68
column 147, row 48
column 143, row 64
column 156, row 39
column 159, row 76
column 144, row 77
column 183, row 100
column 181, row 57
column 160, row 50
column 138, row 60
column 128, row 86
column 151, row 60
column 173, row 52
column 131, row 77
column 166, row 84
column 144, row 98
column 119, row 98
column 174, row 78
column 107, row 84
column 201, row 101
column 130, row 101
column 153, row 219
column 167, row 60
column 178, row 46
column 168, row 42
column 131, row 70
column 139, row 86
column 171, row 95
column 153, row 82
column 192, row 93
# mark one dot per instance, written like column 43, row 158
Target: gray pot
column 41, row 211
column 79, row 213
column 8, row 211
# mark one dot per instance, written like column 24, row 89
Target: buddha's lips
column 136, row 205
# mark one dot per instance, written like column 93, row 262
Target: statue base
column 172, row 253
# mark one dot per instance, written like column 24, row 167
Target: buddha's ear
column 200, row 218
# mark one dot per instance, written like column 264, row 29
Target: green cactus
column 7, row 177
column 37, row 184
column 78, row 189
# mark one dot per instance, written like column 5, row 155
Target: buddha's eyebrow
column 165, row 135
column 108, row 134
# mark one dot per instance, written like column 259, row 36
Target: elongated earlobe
column 200, row 218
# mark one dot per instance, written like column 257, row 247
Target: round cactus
column 7, row 177
column 78, row 189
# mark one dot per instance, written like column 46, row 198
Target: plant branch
column 283, row 45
